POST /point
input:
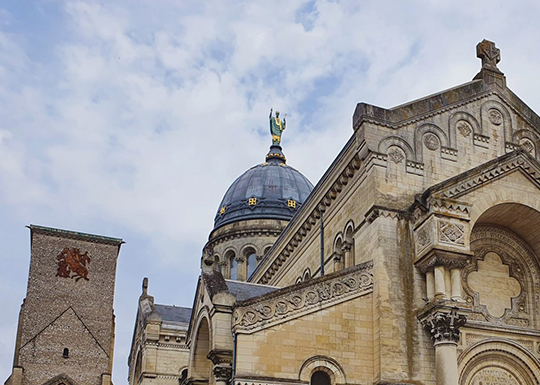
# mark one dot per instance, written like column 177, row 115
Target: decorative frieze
column 313, row 295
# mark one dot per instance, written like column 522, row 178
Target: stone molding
column 444, row 326
column 311, row 296
column 220, row 356
column 437, row 257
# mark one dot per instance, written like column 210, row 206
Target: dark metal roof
column 173, row 313
column 244, row 290
column 273, row 184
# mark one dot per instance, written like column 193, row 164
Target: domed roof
column 272, row 190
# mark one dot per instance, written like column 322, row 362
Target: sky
column 130, row 118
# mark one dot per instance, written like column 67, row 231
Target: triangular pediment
column 462, row 184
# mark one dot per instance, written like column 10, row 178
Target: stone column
column 347, row 255
column 455, row 275
column 444, row 329
column 241, row 269
column 338, row 261
column 430, row 285
column 440, row 284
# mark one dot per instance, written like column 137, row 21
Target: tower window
column 251, row 263
column 65, row 354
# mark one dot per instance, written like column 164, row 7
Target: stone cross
column 489, row 54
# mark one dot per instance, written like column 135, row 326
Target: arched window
column 251, row 263
column 320, row 378
column 234, row 266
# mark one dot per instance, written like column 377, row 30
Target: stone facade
column 439, row 197
column 66, row 323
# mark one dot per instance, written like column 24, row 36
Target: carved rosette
column 444, row 327
column 222, row 373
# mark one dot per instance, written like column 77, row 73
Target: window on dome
column 291, row 203
column 251, row 263
column 234, row 266
column 252, row 201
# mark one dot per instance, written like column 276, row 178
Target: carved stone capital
column 346, row 246
column 437, row 257
column 222, row 372
column 444, row 326
column 240, row 259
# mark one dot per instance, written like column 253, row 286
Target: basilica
column 415, row 259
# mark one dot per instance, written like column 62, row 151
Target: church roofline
column 75, row 235
column 439, row 102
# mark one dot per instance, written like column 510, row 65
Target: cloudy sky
column 130, row 118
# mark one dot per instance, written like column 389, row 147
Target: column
column 444, row 329
column 241, row 269
column 338, row 261
column 440, row 285
column 455, row 275
column 347, row 254
column 430, row 285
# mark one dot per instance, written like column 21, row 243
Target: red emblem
column 72, row 264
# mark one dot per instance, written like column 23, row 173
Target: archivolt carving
column 489, row 111
column 453, row 123
column 355, row 281
column 497, row 361
column 522, row 265
column 390, row 141
column 528, row 139
column 424, row 135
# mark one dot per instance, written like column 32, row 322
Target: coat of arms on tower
column 72, row 264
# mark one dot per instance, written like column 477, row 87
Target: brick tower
column 66, row 323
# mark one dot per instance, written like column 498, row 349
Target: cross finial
column 145, row 286
column 489, row 54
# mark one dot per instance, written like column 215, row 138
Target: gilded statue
column 276, row 127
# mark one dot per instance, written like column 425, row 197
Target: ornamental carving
column 527, row 145
column 495, row 117
column 444, row 327
column 72, row 264
column 358, row 281
column 422, row 239
column 431, row 141
column 522, row 279
column 396, row 156
column 464, row 128
column 494, row 376
column 222, row 372
column 450, row 232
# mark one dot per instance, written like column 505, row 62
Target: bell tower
column 66, row 323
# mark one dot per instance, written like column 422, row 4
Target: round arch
column 499, row 357
column 324, row 364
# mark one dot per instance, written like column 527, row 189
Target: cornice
column 304, row 298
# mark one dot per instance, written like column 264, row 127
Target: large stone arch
column 200, row 365
column 497, row 359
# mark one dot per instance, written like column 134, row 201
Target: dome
column 271, row 190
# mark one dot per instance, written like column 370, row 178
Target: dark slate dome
column 272, row 190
